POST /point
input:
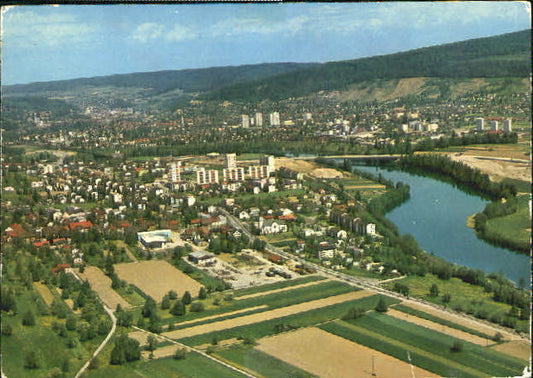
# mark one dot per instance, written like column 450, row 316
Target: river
column 436, row 216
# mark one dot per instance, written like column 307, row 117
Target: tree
column 434, row 290
column 446, row 298
column 381, row 306
column 180, row 354
column 165, row 303
column 28, row 319
column 149, row 307
column 178, row 309
column 172, row 294
column 71, row 322
column 125, row 350
column 33, row 359
column 152, row 343
column 186, row 299
column 7, row 330
column 202, row 294
column 65, row 365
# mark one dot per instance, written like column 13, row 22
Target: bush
column 71, row 322
column 381, row 306
column 497, row 337
column 33, row 360
column 353, row 313
column 186, row 299
column 180, row 354
column 202, row 294
column 178, row 309
column 197, row 307
column 7, row 330
column 28, row 319
column 172, row 294
column 457, row 346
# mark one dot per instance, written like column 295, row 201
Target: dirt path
column 45, row 293
column 279, row 290
column 497, row 168
column 267, row 315
column 440, row 328
column 475, row 325
column 121, row 244
column 330, row 356
column 102, row 285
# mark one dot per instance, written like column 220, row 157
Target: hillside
column 506, row 55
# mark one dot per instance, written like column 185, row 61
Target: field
column 102, row 285
column 280, row 290
column 266, row 315
column 520, row 349
column 440, row 328
column 428, row 349
column 156, row 278
column 193, row 366
column 327, row 355
column 469, row 298
column 277, row 285
column 45, row 292
column 259, row 363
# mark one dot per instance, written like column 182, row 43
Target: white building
column 403, row 128
column 175, row 172
column 258, row 119
column 494, row 125
column 508, row 125
column 233, row 174
column 274, row 119
column 258, row 171
column 231, row 160
column 269, row 161
column 245, row 121
column 204, row 176
column 370, row 229
column 480, row 124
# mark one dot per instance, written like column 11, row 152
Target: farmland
column 102, row 285
column 322, row 348
column 156, row 277
column 428, row 349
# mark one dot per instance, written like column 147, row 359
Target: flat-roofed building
column 155, row 239
column 206, row 176
column 233, row 174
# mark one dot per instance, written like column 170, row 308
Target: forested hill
column 191, row 80
column 506, row 55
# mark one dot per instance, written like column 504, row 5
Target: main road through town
column 365, row 283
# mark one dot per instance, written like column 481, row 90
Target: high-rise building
column 175, row 172
column 494, row 125
column 258, row 119
column 274, row 119
column 269, row 161
column 508, row 125
column 209, row 176
column 245, row 121
column 258, row 171
column 233, row 174
column 480, row 124
column 231, row 160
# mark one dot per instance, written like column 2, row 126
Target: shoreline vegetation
column 419, row 263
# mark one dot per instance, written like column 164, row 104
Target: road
column 108, row 337
column 366, row 283
column 204, row 354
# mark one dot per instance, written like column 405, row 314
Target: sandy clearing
column 472, row 324
column 440, row 328
column 267, row 315
column 156, row 278
column 102, row 285
column 296, row 165
column 519, row 349
column 142, row 337
column 280, row 290
column 45, row 293
column 222, row 315
column 496, row 169
column 331, row 356
column 162, row 352
column 326, row 173
column 364, row 187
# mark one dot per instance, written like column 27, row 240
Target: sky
column 45, row 43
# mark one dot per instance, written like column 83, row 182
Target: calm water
column 436, row 216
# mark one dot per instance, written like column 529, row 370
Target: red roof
column 287, row 217
column 41, row 243
column 75, row 225
column 60, row 268
column 17, row 230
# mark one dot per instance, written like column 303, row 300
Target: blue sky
column 43, row 43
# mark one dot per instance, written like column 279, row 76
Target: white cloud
column 149, row 31
column 28, row 28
